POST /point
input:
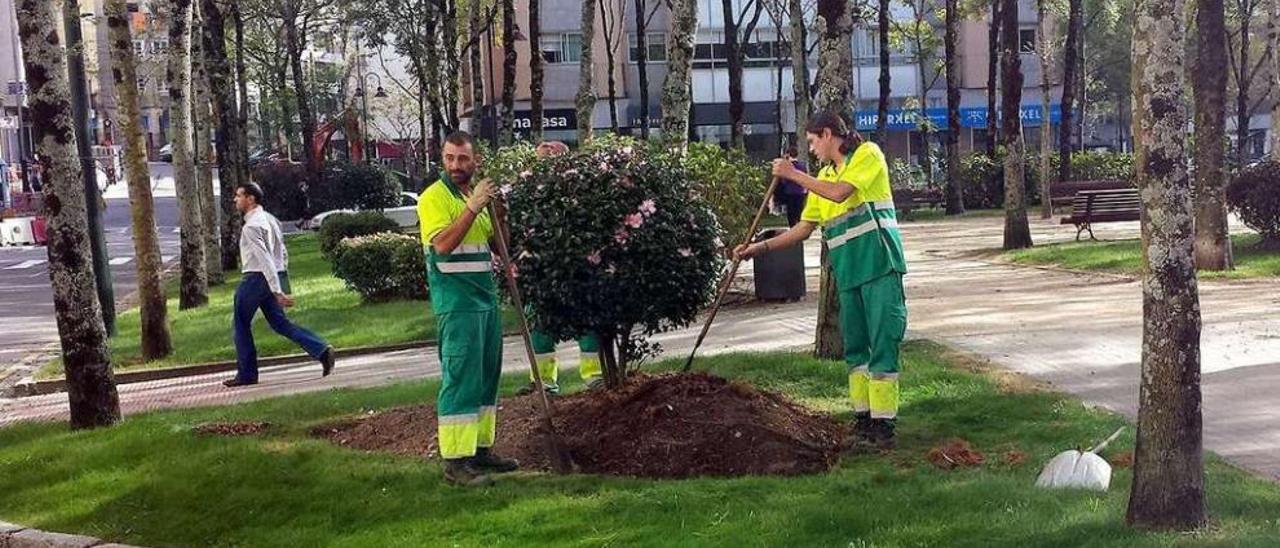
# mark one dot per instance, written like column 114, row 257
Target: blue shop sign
column 900, row 119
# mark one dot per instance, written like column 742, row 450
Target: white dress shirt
column 262, row 247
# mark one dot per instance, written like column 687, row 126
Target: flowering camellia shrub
column 615, row 242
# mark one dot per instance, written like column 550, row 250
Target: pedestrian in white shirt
column 264, row 286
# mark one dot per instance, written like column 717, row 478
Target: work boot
column 462, row 473
column 871, row 435
column 551, row 389
column 486, row 461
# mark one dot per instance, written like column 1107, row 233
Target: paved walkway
column 1081, row 333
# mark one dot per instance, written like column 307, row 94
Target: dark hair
column 835, row 123
column 252, row 189
column 792, row 152
column 459, row 138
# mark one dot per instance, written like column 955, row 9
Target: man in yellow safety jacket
column 853, row 203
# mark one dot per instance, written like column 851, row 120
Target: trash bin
column 779, row 273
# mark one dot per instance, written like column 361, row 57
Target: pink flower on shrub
column 634, row 220
column 594, row 258
column 604, row 166
column 505, row 190
column 526, row 174
column 621, row 236
column 648, row 208
column 626, row 182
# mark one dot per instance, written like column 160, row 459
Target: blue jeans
column 253, row 294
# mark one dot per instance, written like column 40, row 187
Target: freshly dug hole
column 667, row 426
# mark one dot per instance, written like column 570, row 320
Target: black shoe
column 486, row 461
column 461, row 472
column 235, row 381
column 326, row 362
column 872, row 435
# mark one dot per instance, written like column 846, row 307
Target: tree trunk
column 1242, row 94
column 294, row 45
column 202, row 119
column 1070, row 62
column 1212, row 242
column 1017, row 231
column 835, row 94
column 955, row 191
column 231, row 171
column 536, row 72
column 154, row 314
column 477, row 79
column 1273, row 39
column 242, row 82
column 882, row 107
column 677, row 96
column 732, row 51
column 453, row 65
column 509, row 72
column 642, row 66
column 614, row 373
column 611, row 32
column 993, row 75
column 586, row 99
column 86, row 357
column 1168, row 472
column 195, row 280
column 1046, row 129
column 799, row 75
column 926, row 158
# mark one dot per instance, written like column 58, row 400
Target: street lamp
column 381, row 93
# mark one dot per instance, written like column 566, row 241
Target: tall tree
column 1070, row 75
column 242, row 80
column 194, row 290
column 736, row 32
column 509, row 72
column 156, row 343
column 611, row 20
column 474, row 25
column 1212, row 243
column 1168, row 472
column 955, row 191
column 835, row 94
column 231, row 170
column 1245, row 72
column 677, row 89
column 1044, row 48
column 1017, row 231
column 586, row 98
column 536, row 72
column 86, row 357
column 993, row 74
column 202, row 122
column 1273, row 41
column 642, row 61
column 800, row 73
column 882, row 44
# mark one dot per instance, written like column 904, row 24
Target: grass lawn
column 1125, row 257
column 150, row 481
column 324, row 305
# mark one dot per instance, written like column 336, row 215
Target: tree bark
column 922, row 119
column 509, row 72
column 1273, row 39
column 1168, row 473
column 202, row 120
column 195, row 279
column 611, row 34
column 736, row 108
column 835, row 94
column 1070, row 62
column 993, row 75
column 1243, row 82
column 1017, row 231
column 242, row 82
column 295, row 45
column 86, row 357
column 799, row 75
column 154, row 313
column 477, row 79
column 448, row 11
column 536, row 72
column 677, row 96
column 882, row 107
column 231, row 171
column 1212, row 242
column 586, row 99
column 955, row 190
column 1046, row 129
column 642, row 66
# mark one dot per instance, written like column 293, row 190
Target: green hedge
column 382, row 267
column 339, row 226
column 1255, row 196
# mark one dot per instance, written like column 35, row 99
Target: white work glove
column 480, row 197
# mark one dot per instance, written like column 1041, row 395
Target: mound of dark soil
column 232, row 428
column 669, row 426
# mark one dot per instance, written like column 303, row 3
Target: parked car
column 405, row 215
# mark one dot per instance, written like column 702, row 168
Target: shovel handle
column 1107, row 441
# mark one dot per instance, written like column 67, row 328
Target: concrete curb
column 17, row 536
column 55, row 386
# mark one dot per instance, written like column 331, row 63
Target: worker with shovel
column 545, row 345
column 456, row 229
column 853, row 203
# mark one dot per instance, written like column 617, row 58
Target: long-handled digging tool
column 733, row 271
column 561, row 460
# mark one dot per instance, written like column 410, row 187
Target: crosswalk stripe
column 26, row 264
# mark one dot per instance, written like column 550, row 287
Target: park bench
column 1064, row 193
column 1103, row 206
column 906, row 200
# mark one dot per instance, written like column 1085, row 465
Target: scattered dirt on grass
column 667, row 426
column 956, row 453
column 1121, row 460
column 248, row 428
column 1014, row 457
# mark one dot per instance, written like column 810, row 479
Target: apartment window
column 139, row 47
column 1027, row 40
column 159, row 47
column 561, row 48
column 655, row 42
